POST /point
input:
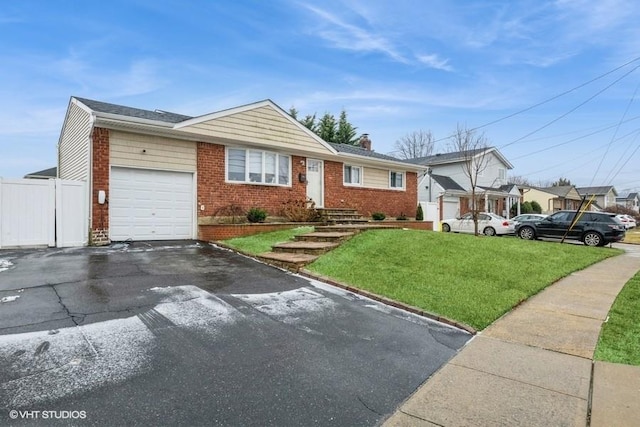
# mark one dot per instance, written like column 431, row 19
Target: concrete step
column 329, row 236
column 289, row 261
column 353, row 228
column 304, row 247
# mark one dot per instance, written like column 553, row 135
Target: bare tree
column 415, row 144
column 473, row 151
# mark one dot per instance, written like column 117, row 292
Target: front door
column 315, row 181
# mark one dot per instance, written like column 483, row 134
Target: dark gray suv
column 592, row 228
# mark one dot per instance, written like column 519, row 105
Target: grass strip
column 619, row 340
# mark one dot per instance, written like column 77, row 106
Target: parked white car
column 627, row 220
column 489, row 224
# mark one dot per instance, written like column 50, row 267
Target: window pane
column 347, row 174
column 283, row 170
column 269, row 168
column 255, row 166
column 236, row 165
column 396, row 179
column 355, row 175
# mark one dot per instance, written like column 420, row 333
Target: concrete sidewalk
column 533, row 367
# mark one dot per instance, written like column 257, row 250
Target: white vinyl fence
column 43, row 212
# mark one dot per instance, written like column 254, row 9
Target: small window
column 396, row 180
column 502, row 174
column 352, row 175
column 236, row 161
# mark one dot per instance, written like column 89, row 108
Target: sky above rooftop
column 552, row 84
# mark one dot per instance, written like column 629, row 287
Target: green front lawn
column 259, row 243
column 473, row 280
column 620, row 337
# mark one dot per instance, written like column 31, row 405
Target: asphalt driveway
column 190, row 334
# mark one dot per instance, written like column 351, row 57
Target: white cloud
column 434, row 61
column 351, row 37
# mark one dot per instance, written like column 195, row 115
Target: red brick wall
column 100, row 174
column 368, row 200
column 214, row 193
column 228, row 231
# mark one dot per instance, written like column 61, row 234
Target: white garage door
column 150, row 205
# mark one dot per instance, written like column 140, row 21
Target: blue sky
column 395, row 67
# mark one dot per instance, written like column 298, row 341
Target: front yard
column 473, row 280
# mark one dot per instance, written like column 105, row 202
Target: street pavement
column 534, row 366
column 191, row 334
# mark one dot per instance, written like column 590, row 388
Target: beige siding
column 261, row 126
column 543, row 198
column 126, row 149
column 73, row 152
column 376, row 178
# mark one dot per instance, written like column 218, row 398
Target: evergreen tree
column 310, row 123
column 346, row 133
column 327, row 127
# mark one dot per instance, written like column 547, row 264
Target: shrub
column 378, row 216
column 256, row 215
column 300, row 211
column 419, row 213
column 401, row 217
column 535, row 206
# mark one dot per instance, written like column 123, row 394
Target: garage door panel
column 151, row 205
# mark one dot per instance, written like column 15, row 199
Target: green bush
column 419, row 213
column 535, row 206
column 378, row 216
column 256, row 215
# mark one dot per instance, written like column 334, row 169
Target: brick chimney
column 365, row 142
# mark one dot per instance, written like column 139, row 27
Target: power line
column 571, row 110
column 553, row 98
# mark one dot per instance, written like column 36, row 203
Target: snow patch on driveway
column 288, row 306
column 43, row 366
column 10, row 298
column 38, row 367
column 5, row 264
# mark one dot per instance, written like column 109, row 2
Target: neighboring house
column 631, row 201
column 157, row 175
column 552, row 199
column 603, row 197
column 43, row 174
column 446, row 183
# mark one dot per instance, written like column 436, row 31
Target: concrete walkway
column 533, row 367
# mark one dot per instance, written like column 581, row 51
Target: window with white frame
column 352, row 175
column 396, row 180
column 502, row 175
column 258, row 167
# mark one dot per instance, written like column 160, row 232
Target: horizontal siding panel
column 126, row 149
column 376, row 178
column 261, row 126
column 74, row 145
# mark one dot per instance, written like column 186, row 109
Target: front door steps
column 306, row 248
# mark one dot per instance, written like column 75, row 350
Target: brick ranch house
column 156, row 175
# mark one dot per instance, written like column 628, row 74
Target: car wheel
column 526, row 233
column 593, row 238
column 489, row 231
column 446, row 228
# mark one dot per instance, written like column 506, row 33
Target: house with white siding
column 445, row 181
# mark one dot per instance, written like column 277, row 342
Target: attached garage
column 151, row 204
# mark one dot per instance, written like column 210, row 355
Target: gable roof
column 195, row 128
column 121, row 110
column 459, row 156
column 45, row 173
column 447, row 183
column 359, row 151
column 558, row 190
column 598, row 191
